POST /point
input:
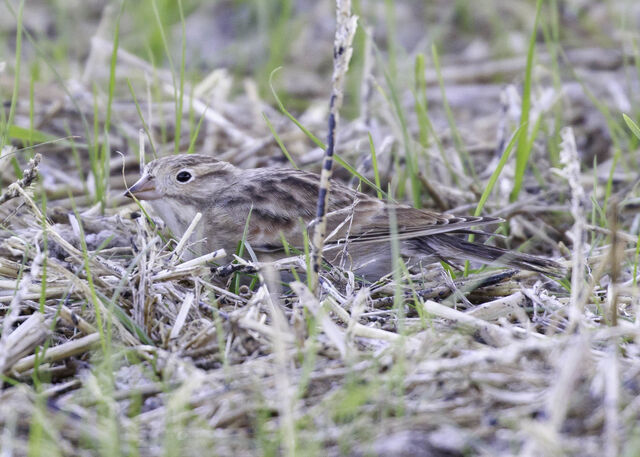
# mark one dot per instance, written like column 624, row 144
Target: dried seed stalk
column 342, row 50
column 28, row 176
column 569, row 158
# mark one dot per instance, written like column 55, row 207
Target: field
column 112, row 343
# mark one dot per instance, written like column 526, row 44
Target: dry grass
column 111, row 344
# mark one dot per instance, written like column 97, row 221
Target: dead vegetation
column 112, row 344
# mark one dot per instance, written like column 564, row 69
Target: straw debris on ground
column 112, row 343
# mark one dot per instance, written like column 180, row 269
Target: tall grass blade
column 632, row 125
column 465, row 158
column 523, row 150
column 279, row 141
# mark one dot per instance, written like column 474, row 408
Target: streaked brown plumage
column 179, row 186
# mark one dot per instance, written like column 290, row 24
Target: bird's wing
column 380, row 224
column 284, row 202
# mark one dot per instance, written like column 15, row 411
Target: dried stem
column 342, row 50
column 28, row 176
column 571, row 161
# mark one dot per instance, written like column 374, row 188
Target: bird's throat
column 177, row 216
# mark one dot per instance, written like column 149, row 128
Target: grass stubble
column 112, row 344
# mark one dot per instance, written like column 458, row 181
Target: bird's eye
column 183, row 176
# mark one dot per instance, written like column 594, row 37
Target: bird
column 268, row 205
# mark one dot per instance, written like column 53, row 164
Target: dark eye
column 183, row 176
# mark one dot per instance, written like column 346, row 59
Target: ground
column 111, row 344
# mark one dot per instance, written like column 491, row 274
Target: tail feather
column 450, row 247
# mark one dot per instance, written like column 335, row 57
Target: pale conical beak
column 144, row 189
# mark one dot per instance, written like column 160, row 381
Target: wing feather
column 290, row 196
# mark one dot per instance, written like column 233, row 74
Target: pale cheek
column 175, row 215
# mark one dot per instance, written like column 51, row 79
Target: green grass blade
column 105, row 336
column 318, row 142
column 196, row 132
column 29, row 135
column 374, row 161
column 288, row 253
column 279, row 141
column 124, row 318
column 358, row 175
column 58, row 78
column 177, row 94
column 16, row 81
column 33, row 74
column 421, row 100
column 390, row 16
column 105, row 150
column 523, row 151
column 94, row 152
column 145, row 126
column 465, row 158
column 291, row 117
column 496, row 173
column 180, row 98
column 240, row 252
column 410, row 160
column 307, row 254
column 632, row 125
column 492, row 182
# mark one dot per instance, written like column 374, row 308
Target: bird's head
column 184, row 177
